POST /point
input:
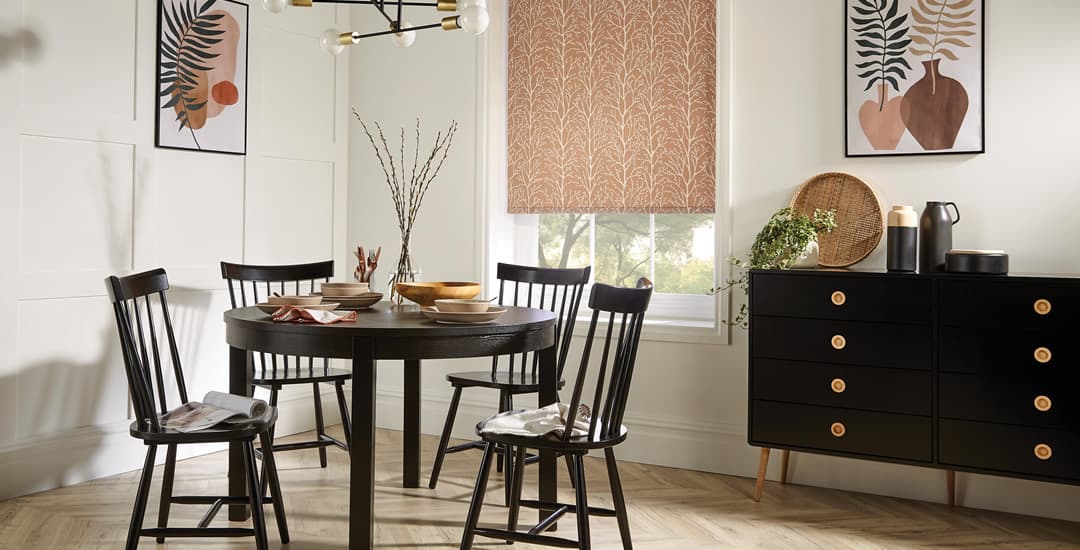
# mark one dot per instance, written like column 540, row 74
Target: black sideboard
column 959, row 373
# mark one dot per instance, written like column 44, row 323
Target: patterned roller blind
column 612, row 106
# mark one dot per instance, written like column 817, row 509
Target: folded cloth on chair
column 293, row 314
column 549, row 421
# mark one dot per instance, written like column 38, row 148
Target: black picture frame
column 164, row 21
column 849, row 69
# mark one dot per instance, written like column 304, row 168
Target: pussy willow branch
column 409, row 194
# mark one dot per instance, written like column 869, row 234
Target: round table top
column 384, row 319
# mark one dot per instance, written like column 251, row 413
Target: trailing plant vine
column 883, row 36
column 187, row 37
column 777, row 246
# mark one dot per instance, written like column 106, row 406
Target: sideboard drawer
column 1010, row 449
column 1013, row 353
column 841, row 297
column 882, row 435
column 846, row 386
column 1020, row 303
column 1023, row 402
column 842, row 342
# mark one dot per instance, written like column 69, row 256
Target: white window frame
column 514, row 237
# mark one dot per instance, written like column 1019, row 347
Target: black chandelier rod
column 358, row 36
column 381, row 6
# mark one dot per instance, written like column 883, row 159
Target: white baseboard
column 92, row 452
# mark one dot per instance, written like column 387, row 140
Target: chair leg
column 258, row 519
column 320, row 427
column 270, row 439
column 141, row 496
column 444, row 441
column 270, row 465
column 478, row 497
column 166, row 490
column 515, row 493
column 343, row 406
column 617, row 496
column 570, row 468
column 763, row 467
column 503, row 407
column 582, row 503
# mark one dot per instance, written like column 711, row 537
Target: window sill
column 681, row 331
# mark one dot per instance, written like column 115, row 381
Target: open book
column 215, row 408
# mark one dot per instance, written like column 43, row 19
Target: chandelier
column 472, row 17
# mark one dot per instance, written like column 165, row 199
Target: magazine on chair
column 214, row 409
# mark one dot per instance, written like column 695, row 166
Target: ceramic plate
column 463, row 318
column 357, row 302
column 325, row 306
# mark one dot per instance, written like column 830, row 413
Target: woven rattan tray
column 860, row 221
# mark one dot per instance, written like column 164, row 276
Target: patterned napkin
column 293, row 314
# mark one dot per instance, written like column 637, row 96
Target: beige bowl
column 331, row 290
column 425, row 294
column 295, row 300
column 462, row 306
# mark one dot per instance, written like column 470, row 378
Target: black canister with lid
column 903, row 236
column 935, row 235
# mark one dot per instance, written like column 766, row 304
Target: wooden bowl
column 294, row 300
column 425, row 294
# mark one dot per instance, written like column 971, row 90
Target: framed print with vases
column 202, row 69
column 914, row 73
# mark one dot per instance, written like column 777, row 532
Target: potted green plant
column 789, row 240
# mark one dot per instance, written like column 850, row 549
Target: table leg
column 549, row 387
column 362, row 457
column 239, row 384
column 412, row 425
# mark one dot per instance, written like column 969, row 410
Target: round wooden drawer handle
column 838, row 385
column 1043, row 355
column 1043, row 451
column 1043, row 403
column 837, row 429
column 839, row 342
column 839, row 298
column 1043, row 306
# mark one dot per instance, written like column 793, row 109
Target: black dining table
column 387, row 332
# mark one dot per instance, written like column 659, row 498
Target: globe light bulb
column 465, row 4
column 275, row 6
column 404, row 39
column 474, row 19
column 330, row 41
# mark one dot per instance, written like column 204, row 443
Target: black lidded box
column 984, row 262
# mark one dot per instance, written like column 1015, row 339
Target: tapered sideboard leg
column 950, row 486
column 763, row 466
column 784, row 457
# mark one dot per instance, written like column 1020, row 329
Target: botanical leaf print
column 612, row 106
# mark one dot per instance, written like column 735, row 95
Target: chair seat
column 500, row 380
column 218, row 434
column 541, row 442
column 285, row 377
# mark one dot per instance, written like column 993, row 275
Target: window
column 675, row 251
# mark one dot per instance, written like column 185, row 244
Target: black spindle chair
column 556, row 290
column 624, row 312
column 145, row 357
column 252, row 284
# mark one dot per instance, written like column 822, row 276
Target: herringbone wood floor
column 669, row 509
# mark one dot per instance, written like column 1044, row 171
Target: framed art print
column 914, row 77
column 202, row 75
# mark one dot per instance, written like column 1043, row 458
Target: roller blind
column 612, row 106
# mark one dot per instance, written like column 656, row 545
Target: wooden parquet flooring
column 669, row 509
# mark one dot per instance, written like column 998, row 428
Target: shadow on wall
column 16, row 43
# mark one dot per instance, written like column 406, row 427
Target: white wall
column 87, row 195
column 787, row 84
